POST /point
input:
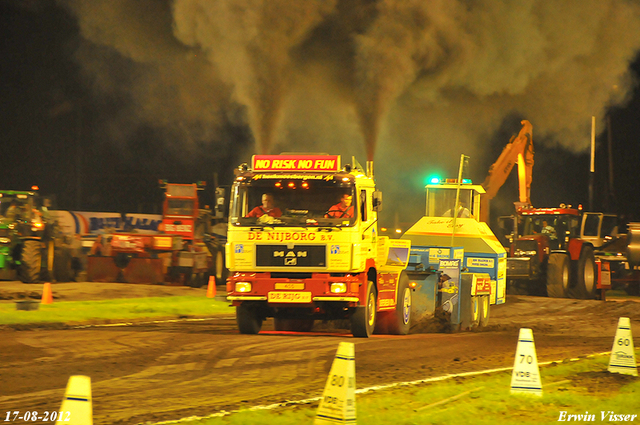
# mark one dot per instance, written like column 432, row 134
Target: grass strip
column 73, row 312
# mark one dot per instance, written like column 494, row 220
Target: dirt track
column 163, row 371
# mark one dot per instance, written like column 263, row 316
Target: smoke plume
column 411, row 83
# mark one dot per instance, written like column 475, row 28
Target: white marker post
column 338, row 404
column 76, row 405
column 525, row 378
column 623, row 356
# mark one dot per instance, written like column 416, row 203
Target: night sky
column 98, row 107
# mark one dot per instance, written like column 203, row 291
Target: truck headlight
column 243, row 286
column 338, row 288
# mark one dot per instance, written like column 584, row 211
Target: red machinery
column 183, row 252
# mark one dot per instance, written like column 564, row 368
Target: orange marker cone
column 211, row 289
column 47, row 296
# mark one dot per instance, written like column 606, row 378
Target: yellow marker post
column 525, row 378
column 338, row 404
column 76, row 405
column 623, row 356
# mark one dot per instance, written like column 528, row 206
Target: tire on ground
column 585, row 272
column 363, row 320
column 399, row 321
column 558, row 275
column 248, row 319
column 30, row 262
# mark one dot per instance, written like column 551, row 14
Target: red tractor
column 547, row 254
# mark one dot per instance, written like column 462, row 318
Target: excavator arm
column 519, row 150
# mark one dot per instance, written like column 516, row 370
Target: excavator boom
column 519, row 151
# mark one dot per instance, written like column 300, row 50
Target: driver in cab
column 268, row 207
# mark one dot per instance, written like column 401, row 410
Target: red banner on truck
column 325, row 163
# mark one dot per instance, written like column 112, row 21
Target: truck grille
column 298, row 256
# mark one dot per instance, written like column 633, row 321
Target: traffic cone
column 623, row 356
column 338, row 403
column 76, row 405
column 525, row 378
column 211, row 289
column 47, row 296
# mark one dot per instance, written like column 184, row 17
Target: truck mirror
column 377, row 201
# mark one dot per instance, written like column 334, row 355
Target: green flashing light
column 434, row 180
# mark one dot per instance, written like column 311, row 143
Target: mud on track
column 164, row 371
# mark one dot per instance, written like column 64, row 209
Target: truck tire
column 62, row 268
column 363, row 320
column 585, row 287
column 30, row 262
column 400, row 319
column 558, row 276
column 248, row 319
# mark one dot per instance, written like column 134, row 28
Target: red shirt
column 336, row 211
column 259, row 211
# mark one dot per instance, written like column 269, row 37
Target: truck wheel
column 400, row 321
column 30, row 262
column 249, row 322
column 558, row 276
column 585, row 275
column 62, row 269
column 363, row 320
column 485, row 309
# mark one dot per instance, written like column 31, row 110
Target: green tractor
column 31, row 246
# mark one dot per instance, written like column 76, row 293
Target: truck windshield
column 181, row 207
column 293, row 202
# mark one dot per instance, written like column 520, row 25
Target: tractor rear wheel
column 558, row 276
column 30, row 262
